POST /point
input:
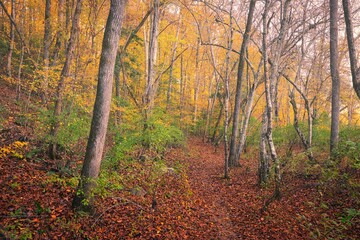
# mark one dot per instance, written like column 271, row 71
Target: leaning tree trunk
column 355, row 70
column 335, row 89
column 248, row 111
column 305, row 142
column 94, row 150
column 65, row 73
column 236, row 115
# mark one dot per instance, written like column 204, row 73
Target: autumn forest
column 179, row 119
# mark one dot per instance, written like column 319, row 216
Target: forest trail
column 205, row 178
column 196, row 203
column 234, row 204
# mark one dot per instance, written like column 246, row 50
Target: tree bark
column 355, row 69
column 227, row 93
column 248, row 110
column 65, row 73
column 270, row 87
column 173, row 54
column 47, row 42
column 59, row 33
column 263, row 171
column 305, row 142
column 151, row 86
column 96, row 141
column 236, row 115
column 335, row 89
column 12, row 39
column 197, row 80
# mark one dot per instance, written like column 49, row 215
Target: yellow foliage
column 16, row 149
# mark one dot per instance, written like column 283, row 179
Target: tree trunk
column 65, row 73
column 12, row 39
column 173, row 55
column 305, row 142
column 270, row 86
column 18, row 87
column 197, row 81
column 181, row 102
column 248, row 111
column 263, row 171
column 59, row 32
column 209, row 108
column 90, row 171
column 227, row 93
column 47, row 42
column 236, row 115
column 117, row 70
column 335, row 89
column 150, row 91
column 355, row 70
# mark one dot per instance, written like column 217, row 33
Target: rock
column 138, row 191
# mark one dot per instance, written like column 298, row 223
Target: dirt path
column 206, row 180
column 234, row 205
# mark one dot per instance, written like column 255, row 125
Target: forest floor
column 190, row 199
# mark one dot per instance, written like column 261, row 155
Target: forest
column 179, row 119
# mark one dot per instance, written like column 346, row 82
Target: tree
column 270, row 88
column 101, row 112
column 151, row 59
column 355, row 69
column 47, row 42
column 12, row 39
column 65, row 73
column 59, row 32
column 236, row 114
column 334, row 68
column 227, row 92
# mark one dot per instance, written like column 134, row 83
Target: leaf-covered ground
column 183, row 196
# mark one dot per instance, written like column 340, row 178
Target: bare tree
column 270, row 88
column 96, row 141
column 236, row 114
